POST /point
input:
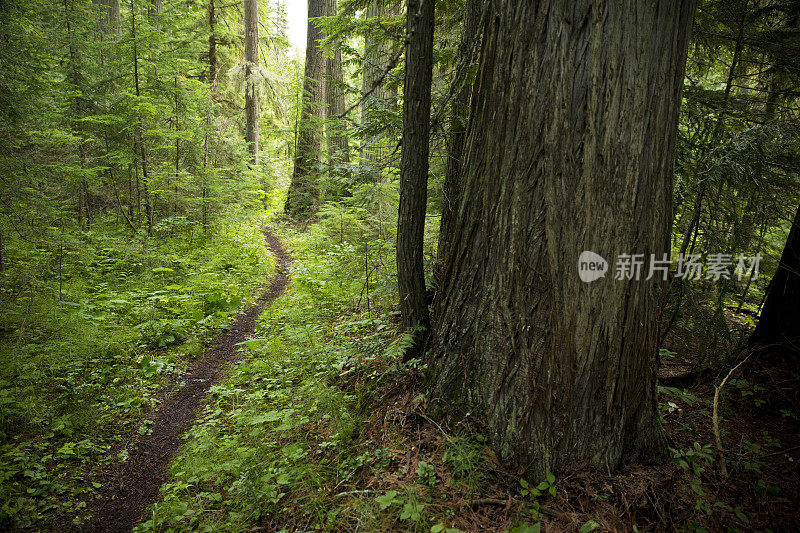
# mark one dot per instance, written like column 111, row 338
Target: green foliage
column 467, row 458
column 427, row 474
column 695, row 459
column 544, row 487
column 78, row 373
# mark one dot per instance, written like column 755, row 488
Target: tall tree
column 467, row 54
column 569, row 148
column 779, row 322
column 379, row 52
column 338, row 144
column 212, row 45
column 252, row 82
column 138, row 137
column 304, row 188
column 414, row 165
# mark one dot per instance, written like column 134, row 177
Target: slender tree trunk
column 716, row 136
column 251, row 76
column 114, row 185
column 2, row 258
column 212, row 82
column 569, row 148
column 779, row 322
column 212, row 45
column 414, row 167
column 467, row 54
column 138, row 142
column 78, row 108
column 304, row 188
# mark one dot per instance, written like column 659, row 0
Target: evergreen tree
column 558, row 160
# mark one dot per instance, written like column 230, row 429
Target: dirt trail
column 132, row 487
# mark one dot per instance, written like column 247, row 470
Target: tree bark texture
column 569, row 148
column 467, row 54
column 304, row 188
column 779, row 322
column 251, row 77
column 414, row 163
column 378, row 54
column 338, row 146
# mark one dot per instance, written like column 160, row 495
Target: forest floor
column 325, row 428
column 131, row 486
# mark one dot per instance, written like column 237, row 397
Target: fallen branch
column 353, row 492
column 715, row 417
column 484, row 501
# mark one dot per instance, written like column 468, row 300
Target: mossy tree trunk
column 569, row 148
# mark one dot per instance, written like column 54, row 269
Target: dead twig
column 715, row 417
column 484, row 501
column 353, row 492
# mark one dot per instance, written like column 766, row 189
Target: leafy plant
column 546, row 486
column 427, row 474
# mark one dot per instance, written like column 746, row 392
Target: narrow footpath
column 133, row 486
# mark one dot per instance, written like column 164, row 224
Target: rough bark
column 111, row 16
column 779, row 322
column 467, row 54
column 569, row 148
column 304, row 188
column 251, row 77
column 414, row 165
column 338, row 145
column 378, row 53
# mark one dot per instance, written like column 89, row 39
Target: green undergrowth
column 284, row 427
column 91, row 338
column 291, row 440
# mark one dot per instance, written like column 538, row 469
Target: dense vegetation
column 145, row 143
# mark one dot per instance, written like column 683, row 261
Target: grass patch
column 79, row 371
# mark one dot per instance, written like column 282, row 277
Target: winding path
column 133, row 486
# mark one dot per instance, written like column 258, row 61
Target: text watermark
column 593, row 266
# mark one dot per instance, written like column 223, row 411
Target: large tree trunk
column 304, row 189
column 779, row 323
column 338, row 146
column 251, row 76
column 569, row 148
column 467, row 54
column 111, row 16
column 414, row 165
column 378, row 55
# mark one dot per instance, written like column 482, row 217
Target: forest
column 433, row 266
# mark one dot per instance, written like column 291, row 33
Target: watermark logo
column 591, row 266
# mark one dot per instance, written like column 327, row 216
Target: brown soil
column 129, row 488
